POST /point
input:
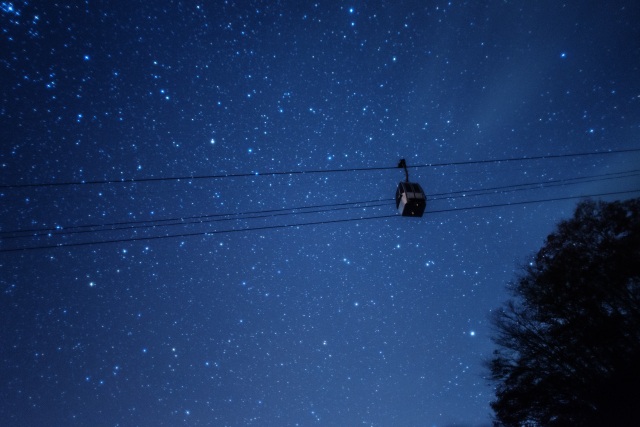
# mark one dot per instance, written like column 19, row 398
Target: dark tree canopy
column 569, row 341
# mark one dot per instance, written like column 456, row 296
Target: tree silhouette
column 569, row 341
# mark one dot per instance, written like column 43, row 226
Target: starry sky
column 144, row 303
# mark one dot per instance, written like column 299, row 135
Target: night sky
column 358, row 317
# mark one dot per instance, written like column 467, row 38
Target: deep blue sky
column 378, row 322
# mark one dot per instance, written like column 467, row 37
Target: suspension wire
column 158, row 222
column 528, row 202
column 64, row 232
column 516, row 159
column 535, row 185
column 254, row 174
column 200, row 219
column 204, row 233
column 273, row 227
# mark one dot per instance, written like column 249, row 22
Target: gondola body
column 410, row 199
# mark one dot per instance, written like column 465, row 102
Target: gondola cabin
column 410, row 199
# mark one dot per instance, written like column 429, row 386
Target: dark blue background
column 379, row 322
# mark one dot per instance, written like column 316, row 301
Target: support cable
column 254, row 174
column 273, row 227
column 200, row 219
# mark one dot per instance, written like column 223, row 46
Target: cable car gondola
column 410, row 197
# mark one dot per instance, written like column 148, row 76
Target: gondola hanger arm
column 403, row 164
